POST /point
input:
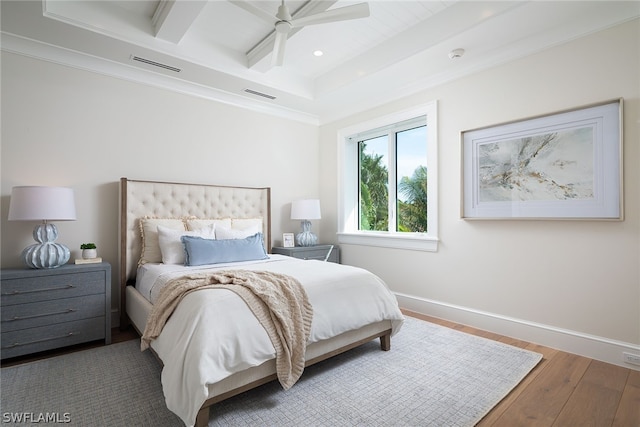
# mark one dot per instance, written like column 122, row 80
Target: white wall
column 568, row 281
column 559, row 279
column 67, row 127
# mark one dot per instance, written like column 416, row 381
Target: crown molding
column 46, row 52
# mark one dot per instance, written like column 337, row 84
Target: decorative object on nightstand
column 52, row 308
column 89, row 254
column 288, row 240
column 305, row 210
column 96, row 260
column 37, row 203
column 329, row 253
column 89, row 250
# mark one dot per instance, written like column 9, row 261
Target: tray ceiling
column 218, row 50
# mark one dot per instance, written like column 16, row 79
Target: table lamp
column 34, row 203
column 306, row 210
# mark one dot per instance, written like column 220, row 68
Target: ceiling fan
column 284, row 22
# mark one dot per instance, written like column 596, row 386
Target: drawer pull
column 18, row 344
column 60, row 288
column 69, row 310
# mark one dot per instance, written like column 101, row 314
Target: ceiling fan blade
column 277, row 57
column 360, row 10
column 256, row 11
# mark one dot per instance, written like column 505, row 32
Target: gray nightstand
column 310, row 252
column 43, row 309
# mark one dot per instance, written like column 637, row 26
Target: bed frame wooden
column 171, row 200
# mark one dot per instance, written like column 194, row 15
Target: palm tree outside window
column 393, row 178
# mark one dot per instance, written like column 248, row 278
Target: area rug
column 433, row 376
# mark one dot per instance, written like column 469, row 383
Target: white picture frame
column 288, row 240
column 566, row 165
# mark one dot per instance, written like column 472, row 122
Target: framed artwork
column 566, row 165
column 288, row 240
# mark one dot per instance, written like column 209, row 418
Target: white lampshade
column 43, row 204
column 33, row 203
column 305, row 209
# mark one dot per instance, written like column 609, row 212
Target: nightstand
column 310, row 252
column 43, row 309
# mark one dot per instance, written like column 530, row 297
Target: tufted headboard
column 168, row 199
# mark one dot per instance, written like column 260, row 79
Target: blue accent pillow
column 200, row 251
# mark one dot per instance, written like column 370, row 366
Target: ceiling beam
column 172, row 18
column 257, row 54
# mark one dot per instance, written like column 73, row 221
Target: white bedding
column 212, row 334
column 151, row 278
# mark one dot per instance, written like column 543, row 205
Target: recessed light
column 456, row 53
column 318, row 53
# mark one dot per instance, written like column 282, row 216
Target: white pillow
column 223, row 233
column 197, row 223
column 243, row 223
column 149, row 232
column 171, row 246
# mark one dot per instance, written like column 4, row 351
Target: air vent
column 156, row 64
column 264, row 95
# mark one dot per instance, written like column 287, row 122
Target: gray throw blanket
column 278, row 301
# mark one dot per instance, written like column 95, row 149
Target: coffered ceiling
column 217, row 49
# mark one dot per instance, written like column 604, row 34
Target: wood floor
column 564, row 390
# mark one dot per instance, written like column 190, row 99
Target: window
column 388, row 181
column 392, row 177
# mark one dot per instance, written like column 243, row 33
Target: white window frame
column 348, row 189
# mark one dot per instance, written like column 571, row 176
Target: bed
column 350, row 306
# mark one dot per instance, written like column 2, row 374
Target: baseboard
column 594, row 347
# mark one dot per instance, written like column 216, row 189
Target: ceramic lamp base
column 306, row 237
column 46, row 253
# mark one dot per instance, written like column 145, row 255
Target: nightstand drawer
column 32, row 340
column 43, row 288
column 311, row 254
column 23, row 316
column 319, row 252
column 43, row 309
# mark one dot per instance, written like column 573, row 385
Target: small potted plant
column 89, row 250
